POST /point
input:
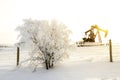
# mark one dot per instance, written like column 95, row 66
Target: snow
column 84, row 63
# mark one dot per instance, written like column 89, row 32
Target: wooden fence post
column 18, row 54
column 110, row 50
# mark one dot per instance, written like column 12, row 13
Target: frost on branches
column 47, row 40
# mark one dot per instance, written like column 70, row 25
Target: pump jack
column 92, row 35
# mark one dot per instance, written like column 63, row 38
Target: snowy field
column 84, row 63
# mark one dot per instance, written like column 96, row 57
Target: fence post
column 110, row 50
column 18, row 54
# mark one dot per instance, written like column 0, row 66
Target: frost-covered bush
column 47, row 40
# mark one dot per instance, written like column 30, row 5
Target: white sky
column 78, row 15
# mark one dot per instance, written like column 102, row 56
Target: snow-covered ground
column 84, row 63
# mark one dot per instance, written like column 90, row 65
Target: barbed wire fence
column 8, row 55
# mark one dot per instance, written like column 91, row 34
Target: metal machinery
column 92, row 35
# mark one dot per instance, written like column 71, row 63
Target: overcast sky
column 78, row 15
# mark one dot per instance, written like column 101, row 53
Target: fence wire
column 8, row 55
